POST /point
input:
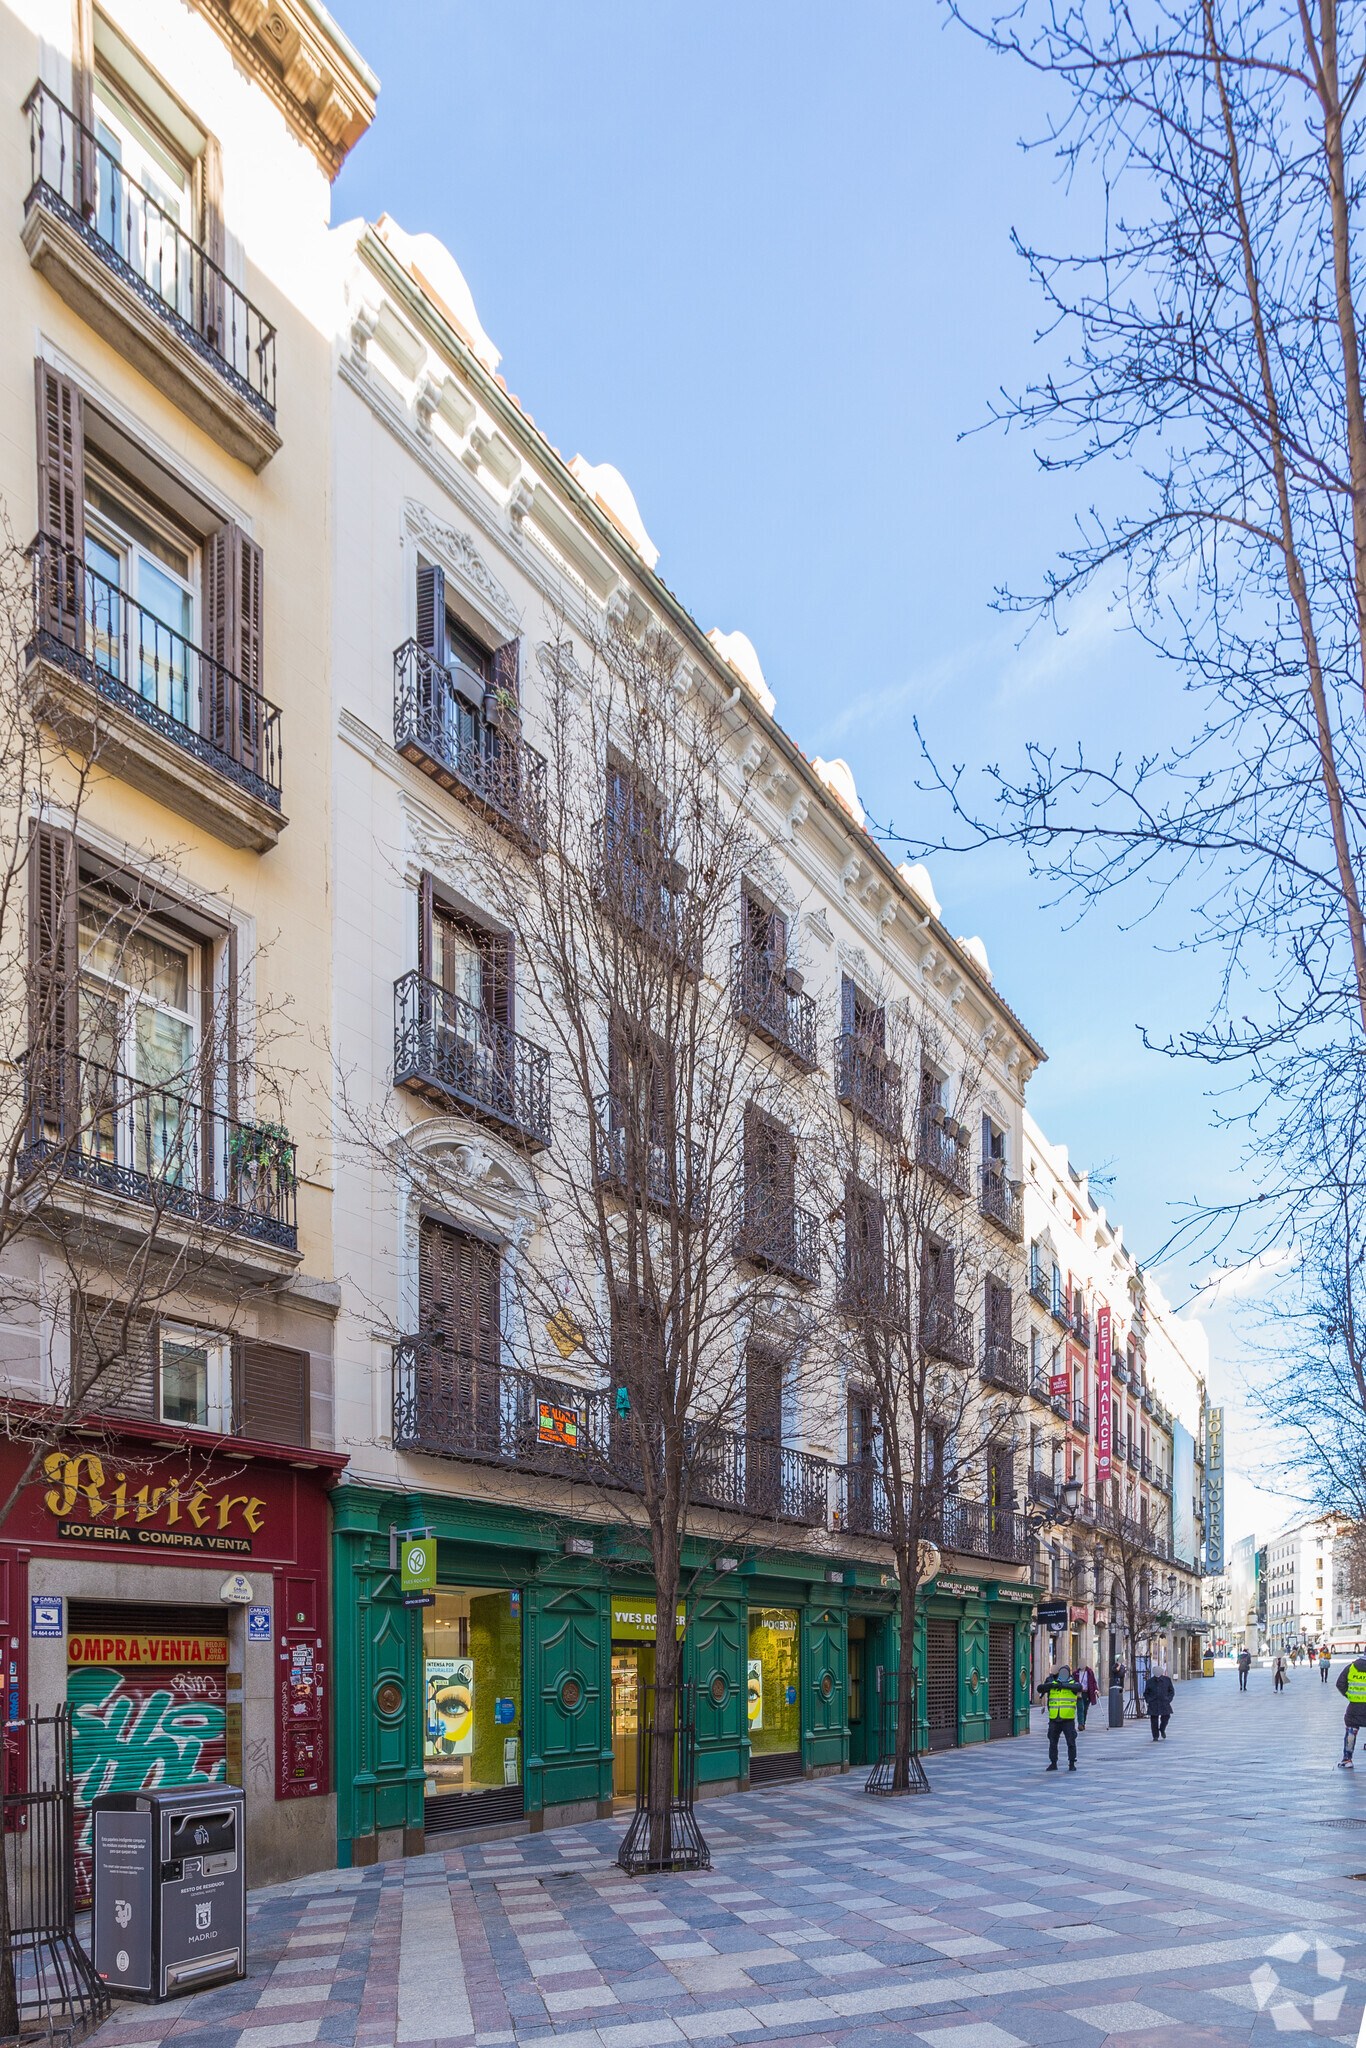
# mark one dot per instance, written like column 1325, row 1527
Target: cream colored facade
column 1079, row 1264
column 196, row 556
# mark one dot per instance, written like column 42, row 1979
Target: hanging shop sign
column 417, row 1564
column 1103, row 1417
column 555, row 1425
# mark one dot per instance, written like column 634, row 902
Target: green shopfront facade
column 512, row 1700
column 972, row 1662
column 505, row 1701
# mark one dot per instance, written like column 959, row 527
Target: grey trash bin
column 169, row 1890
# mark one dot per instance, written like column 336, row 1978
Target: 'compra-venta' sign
column 183, row 1513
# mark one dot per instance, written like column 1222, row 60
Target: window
column 765, row 933
column 139, row 562
column 473, row 966
column 862, row 1429
column 861, row 1017
column 195, row 1378
column 994, row 1150
column 145, row 200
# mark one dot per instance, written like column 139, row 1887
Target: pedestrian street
column 1200, row 1890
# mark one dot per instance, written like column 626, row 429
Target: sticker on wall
column 756, row 1692
column 791, row 1695
column 258, row 1624
column 516, row 1599
column 449, row 1712
column 45, row 1615
column 504, row 1712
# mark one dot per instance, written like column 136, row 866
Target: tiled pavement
column 1193, row 1892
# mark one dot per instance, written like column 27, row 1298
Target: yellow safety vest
column 1062, row 1703
column 1356, row 1685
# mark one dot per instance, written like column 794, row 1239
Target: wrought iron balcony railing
column 439, row 726
column 946, row 1330
column 1130, row 1451
column 638, row 1165
column 1042, row 1487
column 753, row 1475
column 132, row 1140
column 644, row 890
column 449, row 1403
column 1001, row 1201
column 977, row 1529
column 779, row 1236
column 942, row 1152
column 1081, row 1329
column 449, row 1050
column 870, row 1290
column 75, row 175
column 1041, row 1287
column 1118, row 1373
column 867, row 1082
column 1081, row 1417
column 779, row 1013
column 1005, row 1362
column 1145, row 1465
column 1060, row 1312
column 88, row 626
column 863, row 1507
column 1060, row 1405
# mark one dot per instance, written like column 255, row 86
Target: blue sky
column 759, row 258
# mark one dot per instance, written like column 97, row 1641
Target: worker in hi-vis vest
column 1061, row 1692
column 1352, row 1686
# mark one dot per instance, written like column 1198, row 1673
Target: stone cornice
column 298, row 55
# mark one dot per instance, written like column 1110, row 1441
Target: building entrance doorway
column 633, row 1669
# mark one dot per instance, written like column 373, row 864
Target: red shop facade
column 177, row 1599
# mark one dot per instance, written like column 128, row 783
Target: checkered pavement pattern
column 1201, row 1890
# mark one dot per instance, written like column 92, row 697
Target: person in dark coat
column 1352, row 1686
column 1244, row 1666
column 1160, row 1694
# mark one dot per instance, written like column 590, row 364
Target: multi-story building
column 1114, row 1381
column 169, row 1298
column 1309, row 1596
column 467, row 554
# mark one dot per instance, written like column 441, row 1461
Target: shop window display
column 472, row 1691
column 773, row 1699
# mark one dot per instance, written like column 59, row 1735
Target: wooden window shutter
column 54, row 950
column 113, row 1359
column 209, row 199
column 61, row 504
column 498, row 951
column 424, row 927
column 84, row 166
column 272, row 1393
column 230, row 691
column 431, row 611
column 507, row 669
column 458, row 1290
column 848, row 1002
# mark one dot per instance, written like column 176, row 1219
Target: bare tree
column 1132, row 1546
column 932, row 1416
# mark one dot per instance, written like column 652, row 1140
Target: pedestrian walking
column 1062, row 1694
column 1244, row 1666
column 1278, row 1676
column 1160, row 1694
column 1352, row 1686
column 1324, row 1660
column 1090, row 1693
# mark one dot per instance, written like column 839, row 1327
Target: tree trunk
column 906, row 1702
column 665, row 1718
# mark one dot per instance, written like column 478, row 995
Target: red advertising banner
column 1103, row 1446
column 1059, row 1385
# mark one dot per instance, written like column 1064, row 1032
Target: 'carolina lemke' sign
column 92, row 1505
column 177, row 1653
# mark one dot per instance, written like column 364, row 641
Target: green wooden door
column 826, row 1729
column 715, row 1654
column 569, row 1684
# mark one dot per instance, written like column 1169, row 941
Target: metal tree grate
column 666, row 1837
column 882, row 1779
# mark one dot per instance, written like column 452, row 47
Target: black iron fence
column 56, row 1990
column 943, row 1151
column 88, row 626
column 946, row 1329
column 128, row 1138
column 754, row 1474
column 663, row 1834
column 134, row 234
column 767, row 1000
column 1001, row 1200
column 450, row 1048
column 867, row 1082
column 779, row 1235
column 1005, row 1362
column 439, row 725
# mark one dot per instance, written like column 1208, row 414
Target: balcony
column 449, row 1052
column 1081, row 1418
column 439, row 726
column 1117, row 1371
column 1130, row 1454
column 863, row 1506
column 640, row 1166
column 1000, row 1201
column 778, row 1236
column 774, row 1006
column 118, row 259
column 1081, row 1329
column 1146, row 1397
column 942, row 1150
column 1145, row 1465
column 1042, row 1487
column 112, row 1145
column 754, row 1476
column 118, row 685
column 1060, row 1312
column 1005, row 1363
column 867, row 1082
column 946, row 1330
column 1040, row 1288
column 450, row 1404
column 975, row 1529
column 867, row 1290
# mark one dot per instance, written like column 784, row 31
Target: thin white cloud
column 1233, row 1283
